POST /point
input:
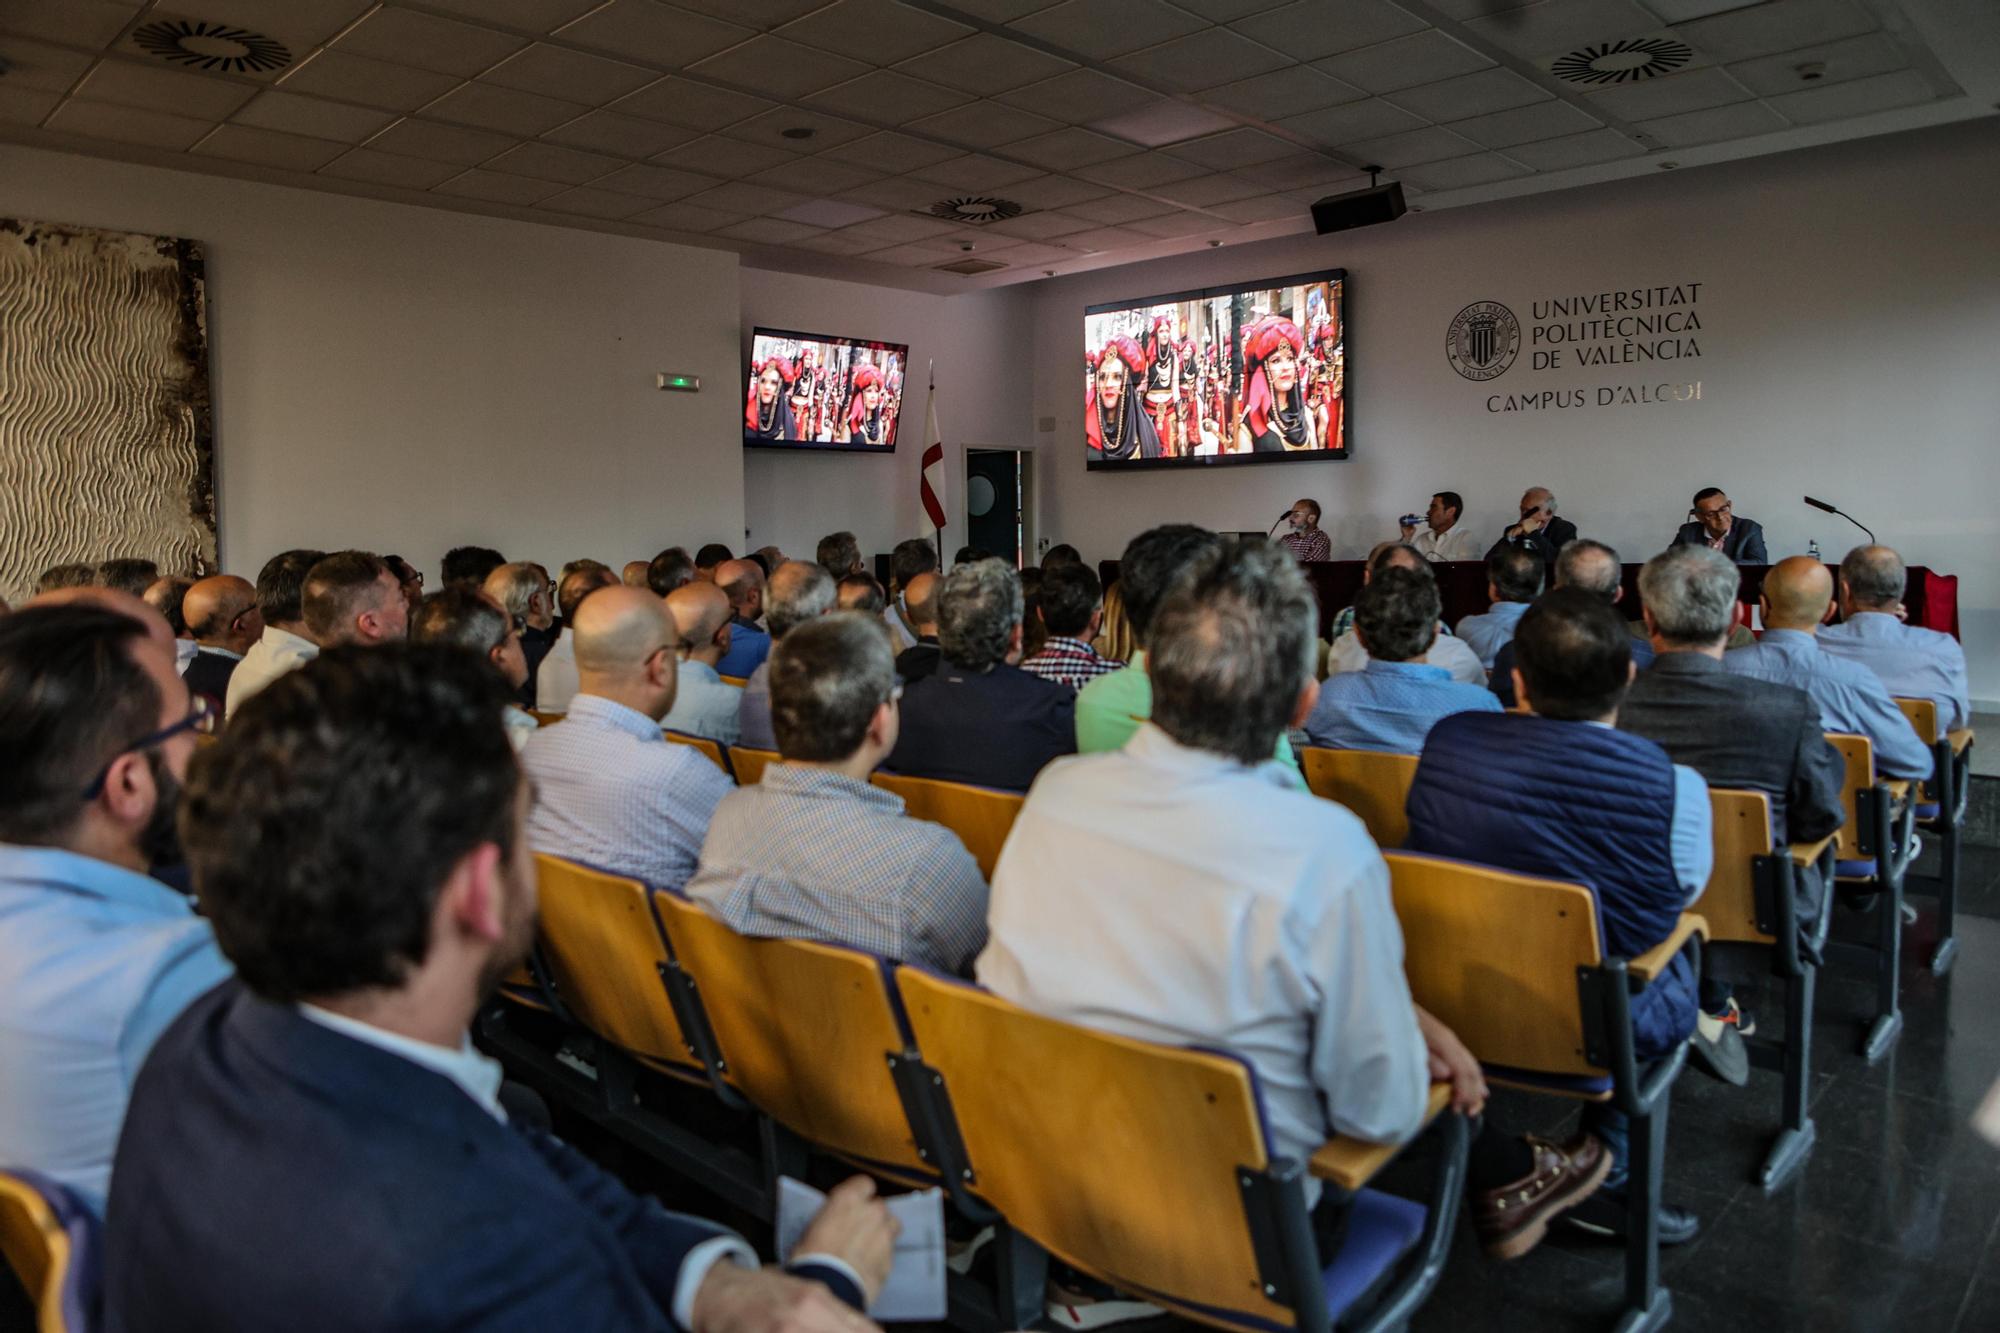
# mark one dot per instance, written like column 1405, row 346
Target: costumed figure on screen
column 1276, row 418
column 893, row 382
column 805, row 393
column 1331, row 379
column 767, row 415
column 1163, row 369
column 1188, row 357
column 1116, row 425
column 863, row 422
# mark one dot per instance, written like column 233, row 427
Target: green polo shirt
column 1110, row 709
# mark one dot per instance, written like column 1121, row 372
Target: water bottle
column 1812, row 549
column 1412, row 520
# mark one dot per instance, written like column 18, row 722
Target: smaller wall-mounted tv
column 812, row 391
column 1250, row 373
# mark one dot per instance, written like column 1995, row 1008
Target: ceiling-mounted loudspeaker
column 1360, row 208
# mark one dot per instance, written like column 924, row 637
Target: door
column 993, row 502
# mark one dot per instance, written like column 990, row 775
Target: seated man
column 317, row 1144
column 812, row 850
column 1391, row 704
column 467, row 618
column 710, row 558
column 1442, row 538
column 1538, row 530
column 1072, row 607
column 1712, row 523
column 919, row 611
column 352, row 597
column 524, row 592
column 166, row 595
column 610, row 789
column 58, row 577
column 223, row 617
column 839, row 554
column 96, row 958
column 1797, row 595
column 670, row 569
column 1513, row 580
column 1214, row 902
column 979, row 718
column 470, row 565
column 556, row 682
column 284, row 645
column 1583, row 802
column 1912, row 662
column 860, row 592
column 131, row 574
column 910, row 558
column 1593, row 567
column 742, row 583
column 800, row 591
column 1446, row 651
column 704, row 703
column 1303, row 537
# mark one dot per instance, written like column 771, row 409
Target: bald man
column 1911, row 662
column 634, row 575
column 610, row 789
column 743, row 582
column 164, row 595
column 222, row 615
column 704, row 703
column 1798, row 592
column 920, row 605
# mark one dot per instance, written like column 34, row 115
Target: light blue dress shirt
column 1913, row 662
column 748, row 647
column 1390, row 706
column 704, row 704
column 1851, row 698
column 1485, row 633
column 95, row 962
column 613, row 792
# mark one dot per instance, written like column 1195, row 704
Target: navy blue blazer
column 994, row 728
column 274, row 1173
column 1744, row 544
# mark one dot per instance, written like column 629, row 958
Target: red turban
column 1261, row 339
column 865, row 376
column 1125, row 350
column 757, row 369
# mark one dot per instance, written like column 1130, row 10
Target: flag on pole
column 930, row 480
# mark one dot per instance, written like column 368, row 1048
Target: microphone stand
column 1827, row 508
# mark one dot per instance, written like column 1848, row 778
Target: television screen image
column 811, row 391
column 1243, row 374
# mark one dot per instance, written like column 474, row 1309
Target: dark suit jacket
column 209, row 674
column 1546, row 542
column 993, row 729
column 1744, row 544
column 274, row 1174
column 918, row 660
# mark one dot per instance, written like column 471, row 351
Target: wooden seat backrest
column 1374, row 786
column 980, row 816
column 1742, row 833
column 706, row 746
column 36, row 1247
column 1858, row 754
column 749, row 765
column 604, row 952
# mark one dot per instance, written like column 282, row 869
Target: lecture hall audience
column 470, row 565
column 704, row 703
column 919, row 609
column 799, row 591
column 285, row 644
column 743, row 584
column 1593, row 567
column 165, row 594
column 556, row 682
column 524, row 591
column 352, row 597
column 222, row 615
column 1513, row 580
column 911, row 557
column 1913, row 662
column 1071, row 605
column 463, row 616
column 1447, row 650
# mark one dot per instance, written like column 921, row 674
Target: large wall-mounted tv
column 812, row 391
column 1253, row 373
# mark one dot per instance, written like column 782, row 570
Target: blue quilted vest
column 1571, row 801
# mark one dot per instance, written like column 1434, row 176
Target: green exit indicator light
column 682, row 383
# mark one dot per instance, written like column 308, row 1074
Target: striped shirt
column 1071, row 661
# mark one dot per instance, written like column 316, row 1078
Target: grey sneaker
column 1717, row 1049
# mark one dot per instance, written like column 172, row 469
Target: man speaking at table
column 1713, row 524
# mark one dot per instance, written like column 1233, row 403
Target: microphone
column 1823, row 505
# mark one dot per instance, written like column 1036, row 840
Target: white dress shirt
column 705, row 704
column 556, row 681
column 521, row 724
column 184, row 651
column 1459, row 543
column 1448, row 652
column 276, row 653
column 1178, row 896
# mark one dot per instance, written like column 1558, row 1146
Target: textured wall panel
column 106, row 447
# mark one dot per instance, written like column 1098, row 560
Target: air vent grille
column 971, row 268
column 220, row 47
column 976, row 210
column 1631, row 60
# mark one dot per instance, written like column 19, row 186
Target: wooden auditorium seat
column 980, row 816
column 708, row 747
column 1147, row 1167
column 749, row 765
column 1374, row 786
column 49, row 1237
column 1941, row 813
column 738, row 681
column 1872, row 850
column 544, row 718
column 1515, row 965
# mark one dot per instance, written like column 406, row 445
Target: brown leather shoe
column 1513, row 1219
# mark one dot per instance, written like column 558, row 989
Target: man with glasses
column 1713, row 523
column 467, row 618
column 610, row 789
column 96, row 958
column 813, row 851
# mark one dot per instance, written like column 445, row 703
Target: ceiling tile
column 1857, row 97
column 1264, row 208
column 761, row 14
column 1557, row 26
column 506, row 109
column 1040, row 226
column 550, row 162
column 1681, row 11
column 839, row 243
column 768, row 231
column 41, row 66
column 497, row 187
column 1854, row 58
column 662, row 34
column 1544, row 120
column 985, row 64
column 592, row 202
column 1462, row 172
column 814, row 175
column 1355, row 121
column 1002, row 11
column 1284, row 92
column 1575, row 150
column 371, row 82
column 1205, row 190
column 269, row 148
column 1178, row 224
column 1472, row 9
column 983, row 125
column 899, row 230
column 888, row 98
column 686, row 217
column 1069, row 147
column 444, row 45
column 312, row 116
column 1782, row 25
column 365, row 164
column 1119, row 208
column 724, row 157
column 1423, row 57
column 827, row 131
column 892, row 152
column 685, row 102
column 625, row 136
column 778, row 68
column 1695, row 90
column 1418, row 146
column 1311, row 29
column 555, row 72
column 899, row 193
column 1081, row 96
column 1141, row 171
column 25, row 106
column 916, row 255
column 1101, row 29
column 1167, row 121
column 127, row 124
column 661, row 184
column 880, row 32
column 440, row 143
column 975, row 172
column 87, row 23
column 1055, row 191
column 1470, row 95
column 1305, row 171
column 531, row 15
column 829, row 213
column 1742, row 121
column 127, row 84
column 1234, row 148
column 299, row 24
column 738, row 197
column 1034, row 254
column 1202, row 60
column 1102, row 240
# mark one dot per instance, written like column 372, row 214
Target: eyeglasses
column 202, row 720
column 1712, row 513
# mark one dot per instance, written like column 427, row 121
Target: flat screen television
column 812, row 391
column 1250, row 373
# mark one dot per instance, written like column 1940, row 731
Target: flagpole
column 930, row 419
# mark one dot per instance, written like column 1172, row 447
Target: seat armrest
column 1808, row 853
column 1352, row 1163
column 1960, row 740
column 1654, row 961
column 1899, row 788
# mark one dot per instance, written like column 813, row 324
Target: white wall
column 979, row 342
column 1851, row 350
column 405, row 379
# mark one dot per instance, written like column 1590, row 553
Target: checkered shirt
column 1070, row 661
